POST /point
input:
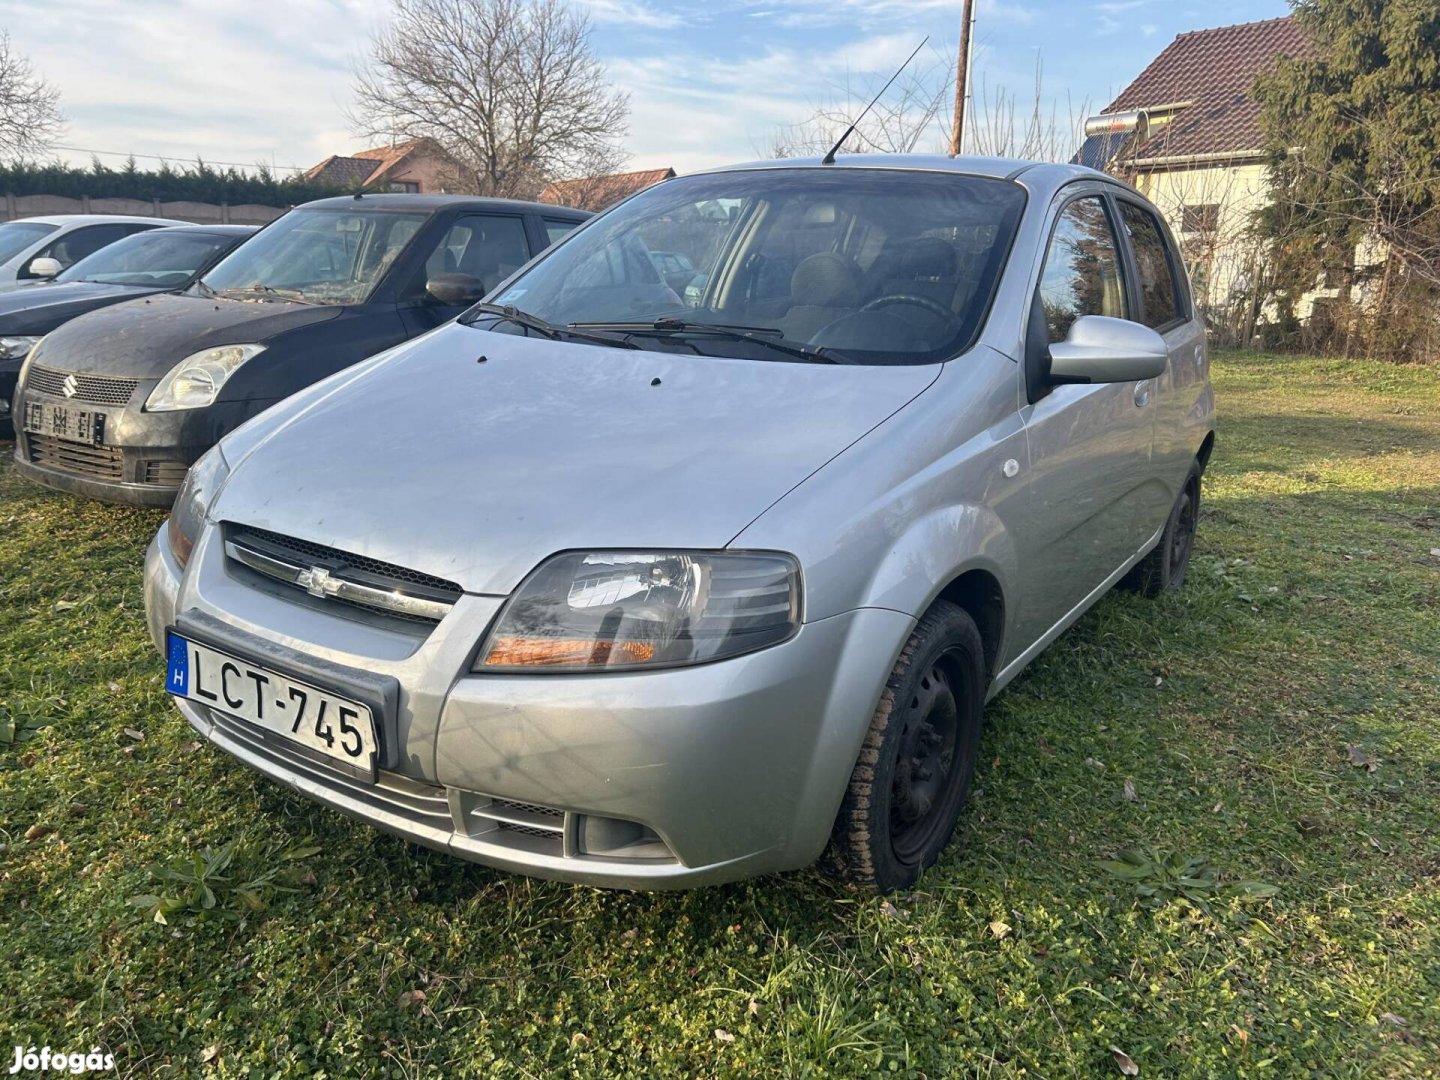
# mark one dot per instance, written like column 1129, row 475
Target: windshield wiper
column 510, row 313
column 205, row 290
column 757, row 335
column 268, row 290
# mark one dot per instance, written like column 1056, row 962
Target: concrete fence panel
column 198, row 212
column 38, row 205
column 22, row 206
column 130, row 207
column 250, row 214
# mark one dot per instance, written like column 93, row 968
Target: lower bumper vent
column 81, row 459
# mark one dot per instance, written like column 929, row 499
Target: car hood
column 40, row 308
column 143, row 339
column 476, row 470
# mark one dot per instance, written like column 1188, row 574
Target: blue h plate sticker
column 177, row 677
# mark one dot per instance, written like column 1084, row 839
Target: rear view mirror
column 44, row 268
column 1099, row 349
column 455, row 289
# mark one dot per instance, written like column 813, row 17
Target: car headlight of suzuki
column 621, row 610
column 196, row 381
column 17, row 347
column 187, row 516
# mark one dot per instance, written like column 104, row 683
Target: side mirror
column 44, row 268
column 456, row 290
column 1099, row 349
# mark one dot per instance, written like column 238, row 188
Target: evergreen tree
column 1353, row 131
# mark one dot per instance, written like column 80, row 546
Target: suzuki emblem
column 71, row 385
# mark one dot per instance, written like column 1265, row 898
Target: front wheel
column 915, row 768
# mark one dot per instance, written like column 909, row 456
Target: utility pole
column 962, row 76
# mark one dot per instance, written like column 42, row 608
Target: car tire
column 1163, row 569
column 915, row 767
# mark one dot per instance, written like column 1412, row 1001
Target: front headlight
column 187, row 516
column 196, row 381
column 17, row 347
column 619, row 610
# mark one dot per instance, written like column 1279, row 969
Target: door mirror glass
column 44, row 268
column 1099, row 349
column 455, row 290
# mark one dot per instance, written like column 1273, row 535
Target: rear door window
column 1155, row 267
column 1082, row 269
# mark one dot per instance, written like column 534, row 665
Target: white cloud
column 186, row 78
column 632, row 13
column 872, row 13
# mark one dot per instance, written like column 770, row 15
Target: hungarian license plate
column 323, row 722
column 65, row 422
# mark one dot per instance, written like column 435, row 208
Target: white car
column 27, row 243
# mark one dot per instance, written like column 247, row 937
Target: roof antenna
column 829, row 159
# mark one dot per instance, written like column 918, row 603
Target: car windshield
column 158, row 258
column 849, row 264
column 319, row 256
column 16, row 236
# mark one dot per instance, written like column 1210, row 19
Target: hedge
column 199, row 183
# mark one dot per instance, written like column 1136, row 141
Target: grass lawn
column 1278, row 721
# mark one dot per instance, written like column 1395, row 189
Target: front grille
column 93, row 389
column 319, row 553
column 83, row 459
column 165, row 473
column 329, row 574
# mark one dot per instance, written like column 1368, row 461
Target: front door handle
column 1142, row 394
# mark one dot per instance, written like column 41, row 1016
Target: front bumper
column 738, row 766
column 144, row 457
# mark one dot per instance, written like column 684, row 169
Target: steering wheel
column 894, row 299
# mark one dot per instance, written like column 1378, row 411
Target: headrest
column 825, row 280
column 927, row 257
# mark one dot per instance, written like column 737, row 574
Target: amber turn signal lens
column 566, row 652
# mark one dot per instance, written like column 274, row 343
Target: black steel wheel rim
column 1184, row 532
column 930, row 767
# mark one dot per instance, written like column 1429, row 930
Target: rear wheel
column 1164, row 567
column 915, row 768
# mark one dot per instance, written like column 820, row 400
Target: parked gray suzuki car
column 638, row 591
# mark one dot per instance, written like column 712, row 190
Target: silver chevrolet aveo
column 640, row 582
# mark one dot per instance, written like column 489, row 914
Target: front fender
column 920, row 500
column 937, row 549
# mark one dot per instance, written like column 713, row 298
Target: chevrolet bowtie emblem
column 318, row 582
column 71, row 385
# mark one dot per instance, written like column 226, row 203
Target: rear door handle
column 1142, row 394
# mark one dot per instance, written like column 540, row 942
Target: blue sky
column 709, row 80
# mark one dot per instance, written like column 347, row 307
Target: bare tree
column 911, row 116
column 29, row 107
column 1002, row 123
column 915, row 116
column 508, row 89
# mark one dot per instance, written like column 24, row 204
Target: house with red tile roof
column 1187, row 133
column 598, row 192
column 416, row 166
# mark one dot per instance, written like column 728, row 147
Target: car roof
column 1033, row 174
column 432, row 203
column 98, row 219
column 213, row 230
